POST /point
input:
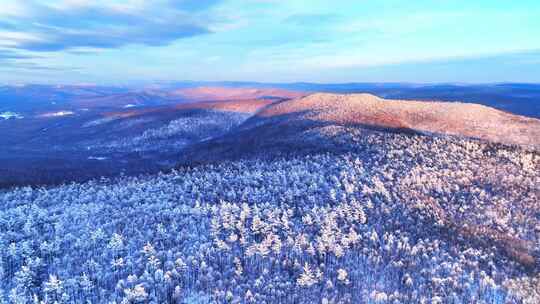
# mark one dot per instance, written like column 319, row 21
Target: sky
column 421, row 41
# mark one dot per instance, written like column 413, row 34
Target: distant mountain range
column 85, row 132
column 518, row 98
column 522, row 99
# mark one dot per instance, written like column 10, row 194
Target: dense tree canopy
column 396, row 219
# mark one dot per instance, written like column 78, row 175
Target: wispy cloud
column 316, row 20
column 9, row 55
column 193, row 5
column 75, row 24
column 271, row 40
column 13, row 63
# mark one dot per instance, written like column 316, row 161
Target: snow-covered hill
column 319, row 199
column 393, row 218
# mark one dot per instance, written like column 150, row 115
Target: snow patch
column 100, row 121
column 57, row 114
column 10, row 115
column 97, row 158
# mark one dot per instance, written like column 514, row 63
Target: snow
column 258, row 229
column 99, row 121
column 57, row 114
column 10, row 115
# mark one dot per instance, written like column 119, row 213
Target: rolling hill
column 295, row 125
column 32, row 99
column 152, row 134
column 460, row 119
column 322, row 198
column 516, row 98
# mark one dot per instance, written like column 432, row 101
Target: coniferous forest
column 395, row 218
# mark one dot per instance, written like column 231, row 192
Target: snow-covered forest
column 197, row 126
column 395, row 219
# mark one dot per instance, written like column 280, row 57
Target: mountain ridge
column 455, row 118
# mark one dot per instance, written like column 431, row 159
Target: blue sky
column 100, row 41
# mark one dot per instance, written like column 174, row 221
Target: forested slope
column 387, row 218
